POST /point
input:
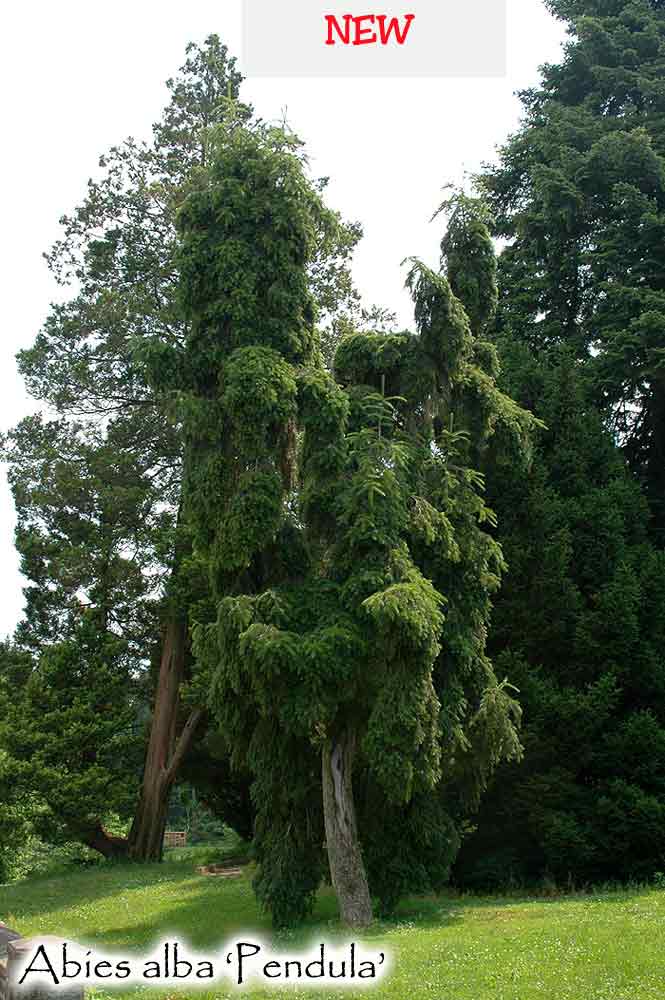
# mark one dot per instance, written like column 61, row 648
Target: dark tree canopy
column 579, row 626
column 579, row 191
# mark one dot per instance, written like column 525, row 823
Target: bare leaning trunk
column 165, row 753
column 346, row 864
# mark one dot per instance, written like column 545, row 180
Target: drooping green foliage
column 249, row 233
column 343, row 526
column 252, row 316
column 469, row 259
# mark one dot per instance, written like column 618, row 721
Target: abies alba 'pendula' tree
column 342, row 524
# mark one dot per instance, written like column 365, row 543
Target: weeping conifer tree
column 344, row 529
column 248, row 236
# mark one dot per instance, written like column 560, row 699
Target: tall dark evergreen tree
column 95, row 361
column 579, row 625
column 579, row 192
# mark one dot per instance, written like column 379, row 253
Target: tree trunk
column 106, row 843
column 146, row 837
column 165, row 753
column 346, row 864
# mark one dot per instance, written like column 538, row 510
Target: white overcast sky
column 77, row 77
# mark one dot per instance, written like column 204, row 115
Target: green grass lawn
column 602, row 946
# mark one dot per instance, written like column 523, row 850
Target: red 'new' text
column 361, row 31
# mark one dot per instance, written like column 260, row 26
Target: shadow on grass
column 204, row 911
column 32, row 897
column 204, row 920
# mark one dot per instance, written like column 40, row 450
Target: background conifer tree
column 579, row 192
column 578, row 625
column 94, row 363
column 578, row 195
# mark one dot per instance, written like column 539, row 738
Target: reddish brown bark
column 165, row 751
